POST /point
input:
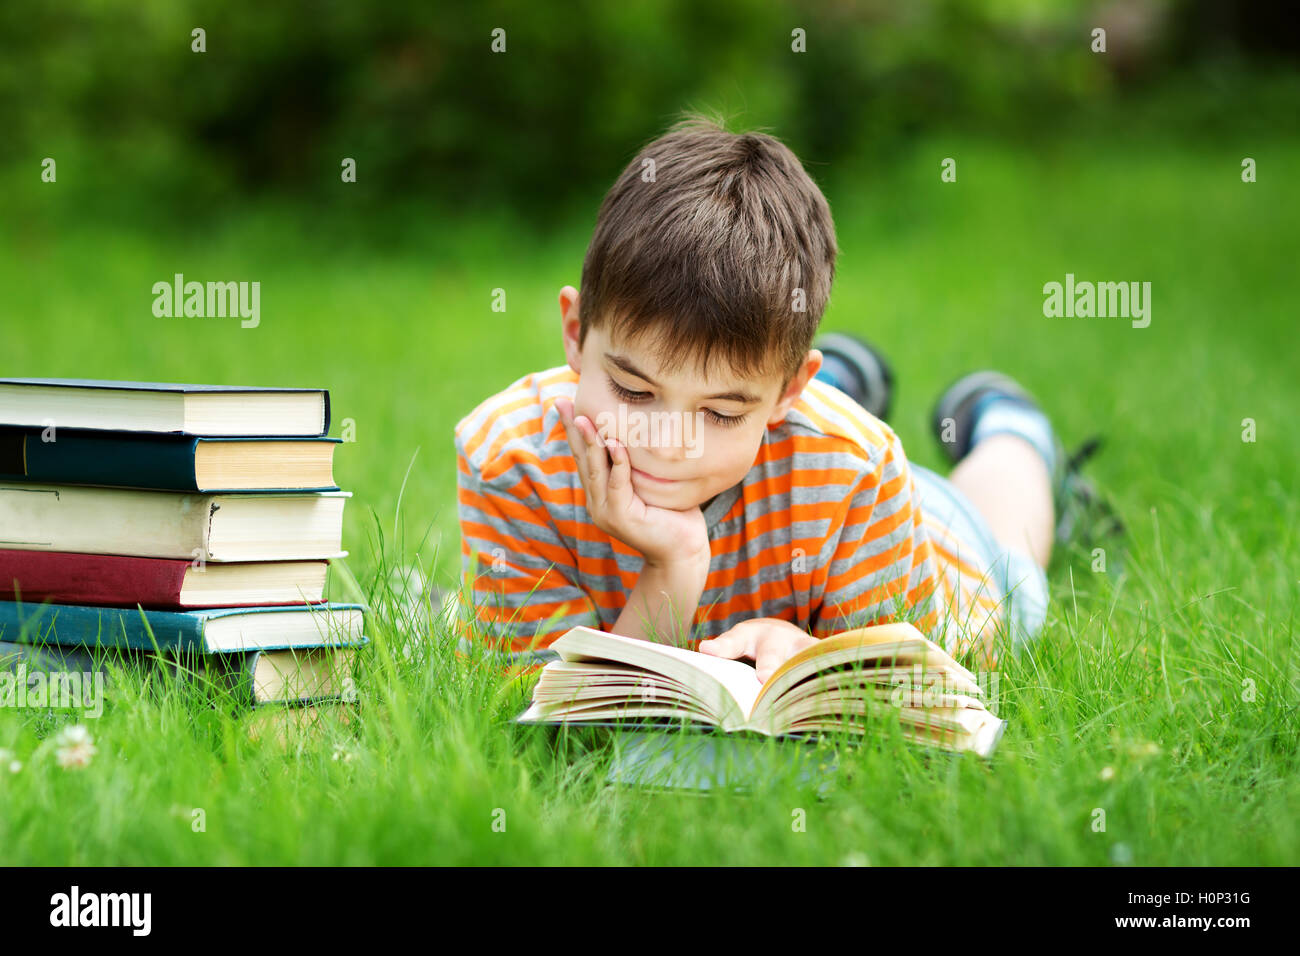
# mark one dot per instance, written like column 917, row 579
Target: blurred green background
column 479, row 170
column 415, row 92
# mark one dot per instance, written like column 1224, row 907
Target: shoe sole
column 879, row 377
column 957, row 401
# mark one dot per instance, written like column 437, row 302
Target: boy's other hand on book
column 664, row 537
column 768, row 641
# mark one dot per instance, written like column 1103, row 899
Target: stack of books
column 176, row 522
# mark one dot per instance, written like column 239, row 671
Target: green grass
column 1163, row 692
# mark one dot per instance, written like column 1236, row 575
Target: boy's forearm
column 662, row 605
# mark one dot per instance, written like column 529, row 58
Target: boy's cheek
column 600, row 421
column 601, row 416
column 583, row 407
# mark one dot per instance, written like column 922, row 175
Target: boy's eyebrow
column 631, row 369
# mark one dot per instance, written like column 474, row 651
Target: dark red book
column 110, row 580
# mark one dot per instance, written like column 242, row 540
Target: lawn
column 1162, row 693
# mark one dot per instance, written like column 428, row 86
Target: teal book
column 119, row 459
column 207, row 631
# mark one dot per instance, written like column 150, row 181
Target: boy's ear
column 812, row 363
column 570, row 326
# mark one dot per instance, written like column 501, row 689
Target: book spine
column 106, row 458
column 76, row 626
column 61, row 577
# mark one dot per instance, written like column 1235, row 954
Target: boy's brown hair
column 711, row 246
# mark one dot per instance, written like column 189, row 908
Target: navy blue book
column 166, row 462
column 231, row 410
column 208, row 631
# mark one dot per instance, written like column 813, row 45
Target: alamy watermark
column 635, row 429
column 60, row 690
column 1127, row 300
column 128, row 910
column 213, row 300
column 938, row 689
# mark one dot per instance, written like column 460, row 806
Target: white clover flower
column 76, row 747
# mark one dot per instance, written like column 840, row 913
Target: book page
column 738, row 682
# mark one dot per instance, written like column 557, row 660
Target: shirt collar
column 716, row 508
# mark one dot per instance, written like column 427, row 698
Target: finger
column 590, row 432
column 731, row 644
column 567, row 414
column 577, row 441
column 620, row 475
column 597, row 461
column 771, row 655
column 594, row 441
column 775, row 651
column 572, row 431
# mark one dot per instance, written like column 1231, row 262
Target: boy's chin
column 671, row 499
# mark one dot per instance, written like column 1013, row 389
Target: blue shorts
column 1015, row 579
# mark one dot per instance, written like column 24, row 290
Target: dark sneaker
column 857, row 370
column 954, row 413
column 1082, row 514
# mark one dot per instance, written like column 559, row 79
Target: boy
column 777, row 510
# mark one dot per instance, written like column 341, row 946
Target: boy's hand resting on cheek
column 664, row 537
column 769, row 641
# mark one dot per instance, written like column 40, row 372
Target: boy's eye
column 724, row 420
column 627, row 393
column 630, row 396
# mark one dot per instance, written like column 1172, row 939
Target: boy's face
column 688, row 437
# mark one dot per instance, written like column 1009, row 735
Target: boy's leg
column 1007, row 480
column 1009, row 465
column 1000, row 495
column 1009, row 573
column 1008, row 460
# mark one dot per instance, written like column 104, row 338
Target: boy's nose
column 665, row 460
column 662, row 463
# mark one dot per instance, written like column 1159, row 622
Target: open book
column 843, row 682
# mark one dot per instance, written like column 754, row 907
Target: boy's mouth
column 649, row 477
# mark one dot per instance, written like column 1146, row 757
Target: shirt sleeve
column 880, row 563
column 515, row 567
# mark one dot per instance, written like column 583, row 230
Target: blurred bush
column 415, row 94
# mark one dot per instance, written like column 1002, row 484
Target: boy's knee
column 1026, row 597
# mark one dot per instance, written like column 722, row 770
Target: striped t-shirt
column 824, row 531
